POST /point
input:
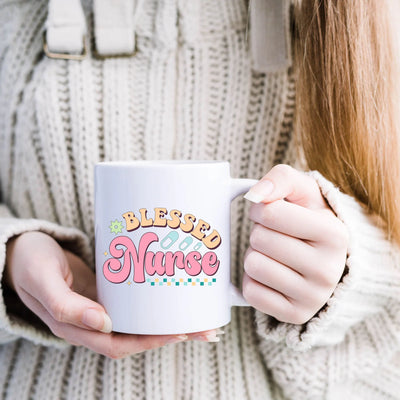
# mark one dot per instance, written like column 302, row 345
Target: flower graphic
column 115, row 226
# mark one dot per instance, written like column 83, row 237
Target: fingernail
column 176, row 339
column 220, row 331
column 209, row 337
column 107, row 327
column 97, row 320
column 259, row 191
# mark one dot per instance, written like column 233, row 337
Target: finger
column 63, row 304
column 275, row 275
column 119, row 345
column 100, row 344
column 287, row 250
column 35, row 306
column 267, row 300
column 294, row 220
column 206, row 336
column 285, row 182
column 114, row 345
column 72, row 308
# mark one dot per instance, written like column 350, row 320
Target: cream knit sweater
column 189, row 93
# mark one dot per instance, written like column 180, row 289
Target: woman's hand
column 297, row 250
column 58, row 287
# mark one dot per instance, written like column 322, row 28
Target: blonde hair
column 347, row 100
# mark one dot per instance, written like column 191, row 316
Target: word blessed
column 212, row 241
column 142, row 260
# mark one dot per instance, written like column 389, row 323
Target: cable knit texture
column 189, row 93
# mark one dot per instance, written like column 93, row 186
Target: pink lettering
column 192, row 265
column 112, row 269
column 130, row 252
column 154, row 263
column 158, row 263
column 171, row 259
column 210, row 263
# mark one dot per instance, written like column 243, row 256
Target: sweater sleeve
column 357, row 333
column 16, row 321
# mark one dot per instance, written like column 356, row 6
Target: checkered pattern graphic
column 181, row 281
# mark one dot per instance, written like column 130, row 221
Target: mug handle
column 237, row 187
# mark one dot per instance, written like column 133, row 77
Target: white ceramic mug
column 163, row 244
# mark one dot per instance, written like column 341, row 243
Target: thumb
column 83, row 280
column 285, row 182
column 66, row 305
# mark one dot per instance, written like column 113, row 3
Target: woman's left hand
column 297, row 250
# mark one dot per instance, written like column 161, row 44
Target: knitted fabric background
column 188, row 93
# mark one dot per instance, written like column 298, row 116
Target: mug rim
column 160, row 163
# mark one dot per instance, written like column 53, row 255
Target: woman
column 321, row 269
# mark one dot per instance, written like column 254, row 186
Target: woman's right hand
column 61, row 289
